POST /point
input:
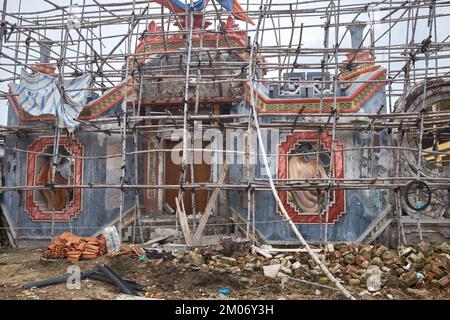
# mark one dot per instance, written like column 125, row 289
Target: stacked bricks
column 69, row 246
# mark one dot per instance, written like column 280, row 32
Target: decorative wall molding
column 75, row 148
column 338, row 208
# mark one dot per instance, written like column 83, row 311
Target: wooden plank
column 184, row 223
column 275, row 250
column 210, row 205
column 158, row 239
column 10, row 232
column 261, row 252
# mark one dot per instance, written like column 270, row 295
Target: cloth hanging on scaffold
column 236, row 10
column 227, row 4
column 39, row 94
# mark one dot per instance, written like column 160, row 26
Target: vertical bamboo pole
column 124, row 121
column 335, row 116
column 5, row 5
column 186, row 110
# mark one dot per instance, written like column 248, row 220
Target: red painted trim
column 12, row 100
column 107, row 95
column 91, row 105
column 337, row 209
column 357, row 55
column 36, row 213
column 356, row 73
column 177, row 39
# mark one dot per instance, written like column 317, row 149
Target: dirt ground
column 163, row 279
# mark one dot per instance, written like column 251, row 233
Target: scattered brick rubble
column 414, row 269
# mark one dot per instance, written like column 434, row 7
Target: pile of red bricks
column 130, row 250
column 73, row 248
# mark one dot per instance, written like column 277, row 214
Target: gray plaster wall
column 93, row 215
column 362, row 206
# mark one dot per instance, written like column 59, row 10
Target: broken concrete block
column 421, row 258
column 283, row 277
column 445, row 247
column 266, row 247
column 412, row 258
column 373, row 283
column 275, row 261
column 311, row 263
column 371, row 270
column 235, row 270
column 289, row 258
column 296, row 265
column 285, row 270
column 195, row 258
column 285, row 263
column 314, row 273
column 405, row 251
column 376, row 261
column 228, row 261
column 249, row 266
column 261, row 251
column 354, row 282
column 385, row 269
column 409, row 278
column 380, row 250
column 365, row 264
column 350, row 259
column 272, row 270
column 366, row 252
column 330, row 247
column 388, row 256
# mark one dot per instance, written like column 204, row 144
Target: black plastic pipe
column 133, row 284
column 56, row 280
column 118, row 281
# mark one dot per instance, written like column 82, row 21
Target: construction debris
column 129, row 250
column 373, row 268
column 201, row 272
column 73, row 248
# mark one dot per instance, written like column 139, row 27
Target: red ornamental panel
column 296, row 160
column 35, row 210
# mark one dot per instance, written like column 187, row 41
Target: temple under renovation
column 279, row 122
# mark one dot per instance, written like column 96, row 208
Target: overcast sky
column 311, row 37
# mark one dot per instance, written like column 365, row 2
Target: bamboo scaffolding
column 87, row 52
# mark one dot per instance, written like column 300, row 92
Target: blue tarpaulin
column 38, row 94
